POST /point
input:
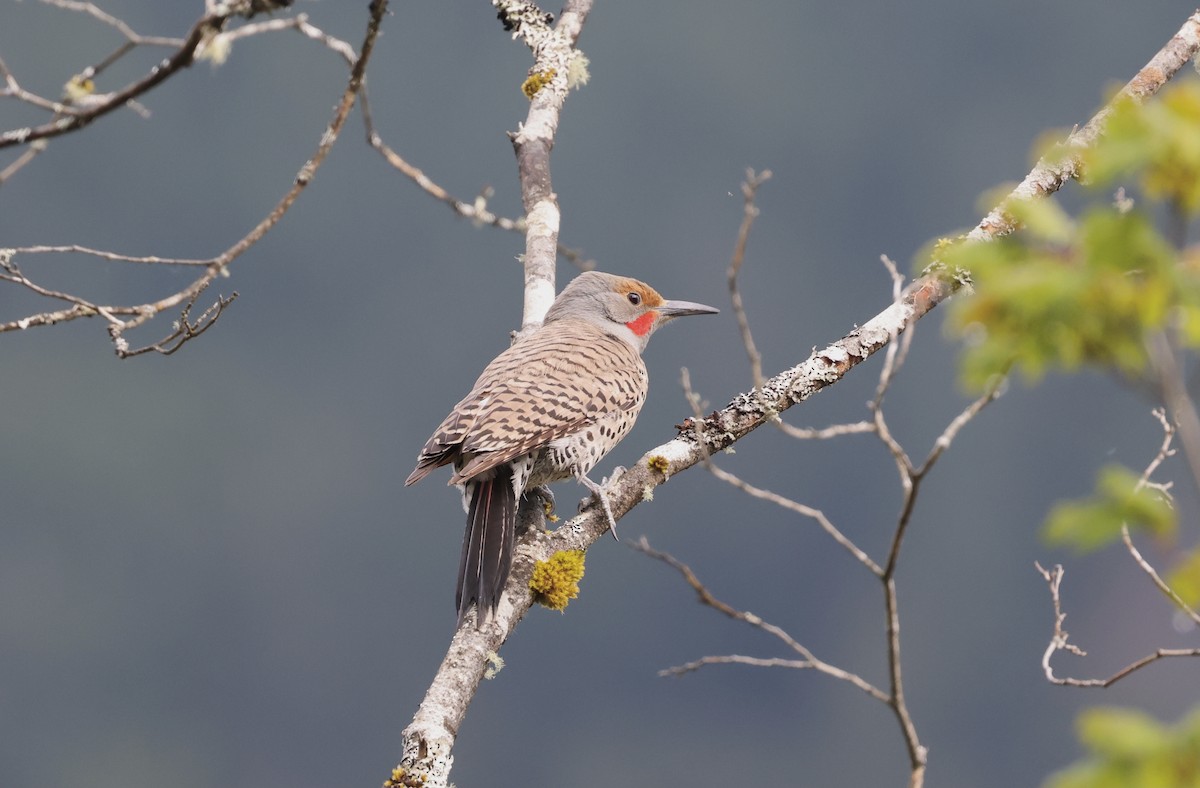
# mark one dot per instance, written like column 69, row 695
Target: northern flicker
column 546, row 409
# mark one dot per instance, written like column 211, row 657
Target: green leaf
column 1044, row 219
column 1095, row 522
column 1121, row 733
column 1184, row 579
column 1129, row 749
column 1156, row 143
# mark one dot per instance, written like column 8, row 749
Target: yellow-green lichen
column 402, row 778
column 495, row 665
column 537, row 81
column 659, row 463
column 78, row 88
column 555, row 581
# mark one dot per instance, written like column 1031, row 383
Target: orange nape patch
column 650, row 296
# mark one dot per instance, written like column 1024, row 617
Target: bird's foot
column 543, row 497
column 547, row 496
column 617, row 473
column 598, row 494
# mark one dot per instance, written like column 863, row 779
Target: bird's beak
column 670, row 309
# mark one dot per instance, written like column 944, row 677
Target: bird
column 548, row 408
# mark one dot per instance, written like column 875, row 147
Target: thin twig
column 1059, row 641
column 106, row 255
column 300, row 24
column 911, row 478
column 34, row 150
column 779, row 500
column 213, row 267
column 1166, row 366
column 187, row 329
column 745, row 616
column 12, row 89
column 735, row 659
column 749, row 213
column 1165, row 450
column 183, row 57
column 476, row 211
column 91, row 9
column 825, row 433
column 805, row 511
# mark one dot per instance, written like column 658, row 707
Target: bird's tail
column 488, row 544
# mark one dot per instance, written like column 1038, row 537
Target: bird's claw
column 617, row 473
column 590, row 501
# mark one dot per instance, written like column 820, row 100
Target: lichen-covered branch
column 429, row 740
column 554, row 58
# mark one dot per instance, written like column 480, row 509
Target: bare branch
column 735, row 659
column 1165, row 450
column 1159, row 583
column 897, row 354
column 34, row 150
column 208, row 25
column 910, row 477
column 13, row 90
column 779, row 500
column 205, row 35
column 91, row 9
column 1171, row 385
column 1059, row 641
column 706, row 597
column 187, row 329
column 749, row 213
column 476, row 211
column 994, row 390
column 124, row 258
column 825, row 433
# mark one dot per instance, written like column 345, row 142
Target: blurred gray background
column 210, row 574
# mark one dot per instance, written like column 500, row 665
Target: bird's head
column 624, row 307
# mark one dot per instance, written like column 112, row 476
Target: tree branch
column 553, row 54
column 123, row 318
column 476, row 211
column 428, row 741
column 808, row 659
column 206, row 26
column 1060, row 641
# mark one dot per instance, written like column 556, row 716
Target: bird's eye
column 635, row 299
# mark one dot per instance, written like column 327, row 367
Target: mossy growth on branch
column 537, row 81
column 555, row 581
